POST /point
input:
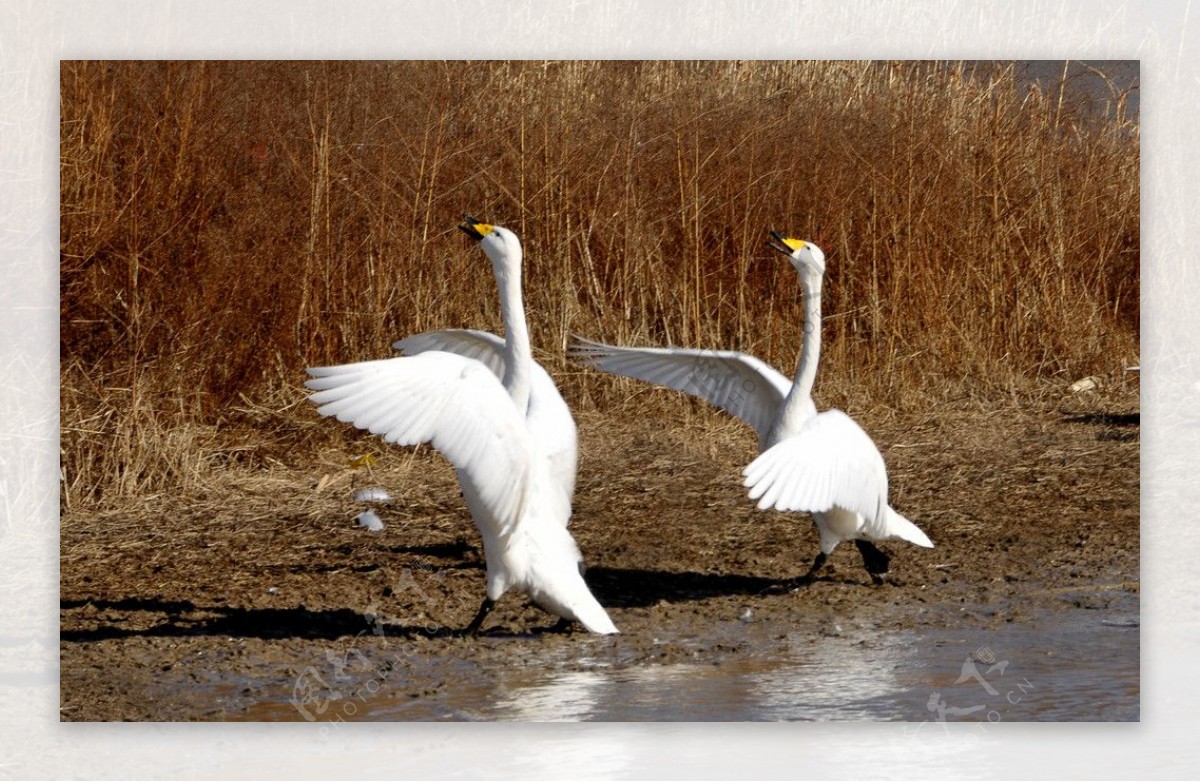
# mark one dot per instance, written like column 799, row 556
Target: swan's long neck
column 518, row 358
column 798, row 407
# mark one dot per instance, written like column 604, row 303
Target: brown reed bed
column 225, row 224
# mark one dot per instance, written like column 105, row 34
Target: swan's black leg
column 818, row 563
column 562, row 625
column 874, row 560
column 484, row 610
column 793, row 584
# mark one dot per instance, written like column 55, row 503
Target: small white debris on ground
column 1086, row 384
column 372, row 494
column 370, row 520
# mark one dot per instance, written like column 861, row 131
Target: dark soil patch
column 200, row 607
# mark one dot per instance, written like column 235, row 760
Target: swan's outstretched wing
column 831, row 461
column 735, row 382
column 479, row 345
column 549, row 419
column 453, row 402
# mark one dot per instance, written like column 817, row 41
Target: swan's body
column 547, row 415
column 498, row 418
column 823, row 463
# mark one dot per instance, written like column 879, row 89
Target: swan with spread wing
column 822, row 463
column 496, row 415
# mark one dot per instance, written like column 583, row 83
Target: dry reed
column 225, row 224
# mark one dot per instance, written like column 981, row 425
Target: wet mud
column 260, row 599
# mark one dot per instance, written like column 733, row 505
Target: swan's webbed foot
column 874, row 560
column 818, row 563
column 782, row 587
column 473, row 628
column 795, row 584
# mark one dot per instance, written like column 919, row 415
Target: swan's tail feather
column 902, row 528
column 595, row 619
column 582, row 606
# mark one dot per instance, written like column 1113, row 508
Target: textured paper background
column 35, row 35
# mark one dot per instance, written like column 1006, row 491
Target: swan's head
column 500, row 244
column 805, row 256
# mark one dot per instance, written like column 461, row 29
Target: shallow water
column 1069, row 664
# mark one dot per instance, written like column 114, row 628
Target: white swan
column 821, row 463
column 512, row 441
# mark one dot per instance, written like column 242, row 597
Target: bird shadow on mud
column 630, row 588
column 458, row 550
column 1105, row 419
column 184, row 618
column 1120, row 427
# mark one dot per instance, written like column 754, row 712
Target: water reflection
column 564, row 697
column 833, row 678
column 1071, row 665
column 1077, row 669
column 825, row 681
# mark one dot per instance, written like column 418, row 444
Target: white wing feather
column 549, row 419
column 739, row 384
column 479, row 345
column 453, row 402
column 830, row 462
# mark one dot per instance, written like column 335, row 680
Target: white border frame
column 37, row 34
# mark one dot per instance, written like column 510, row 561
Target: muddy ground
column 259, row 598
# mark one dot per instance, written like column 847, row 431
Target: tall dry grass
column 226, row 224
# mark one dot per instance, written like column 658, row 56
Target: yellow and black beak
column 475, row 228
column 784, row 245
